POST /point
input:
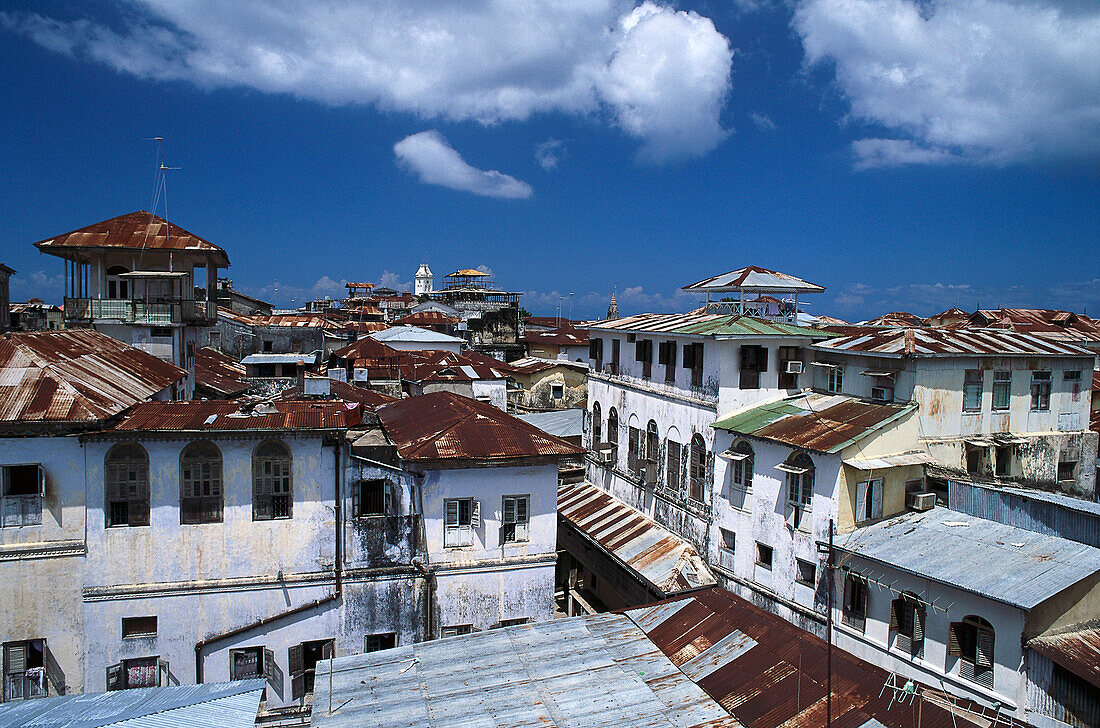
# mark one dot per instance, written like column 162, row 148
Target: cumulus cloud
column 662, row 75
column 549, row 153
column 991, row 81
column 429, row 156
column 37, row 284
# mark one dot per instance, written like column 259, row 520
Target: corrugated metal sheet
column 427, row 318
column 890, row 461
column 218, row 415
column 705, row 324
column 219, row 372
column 213, row 705
column 415, row 334
column 280, row 359
column 1035, row 510
column 754, row 278
column 1009, row 564
column 137, row 231
column 1051, row 323
column 583, row 671
column 367, row 398
column 447, row 426
column 1077, row 650
column 926, row 342
column 768, row 673
column 562, row 423
column 76, row 375
column 666, row 562
column 821, row 422
column 896, row 318
column 558, row 337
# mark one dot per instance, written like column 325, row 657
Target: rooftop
column 534, row 364
column 367, row 348
column 559, row 423
column 753, row 278
column 76, row 375
column 368, row 399
column 582, row 671
column 1012, row 565
column 435, row 366
column 558, row 337
column 1077, row 649
column 291, row 358
column 447, row 426
column 668, row 563
column 219, row 372
column 222, row 416
column 931, row 342
column 822, row 422
column 414, row 334
column 427, row 318
column 137, row 230
column 210, row 705
column 1053, row 323
column 705, row 324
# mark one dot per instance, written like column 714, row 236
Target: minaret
column 612, row 310
column 424, row 278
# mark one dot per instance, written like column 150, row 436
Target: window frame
column 135, row 624
column 908, row 617
column 973, row 388
column 597, row 424
column 800, row 487
column 697, row 468
column 510, row 529
column 130, row 473
column 28, row 689
column 674, row 453
column 1002, row 389
column 1040, row 390
column 973, row 641
column 21, row 509
column 763, row 549
column 267, row 504
column 728, row 541
column 378, row 638
column 799, row 565
column 868, row 508
column 189, row 513
column 743, row 468
column 459, row 534
column 854, row 605
column 835, row 379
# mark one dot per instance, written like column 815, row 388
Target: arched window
column 697, row 475
column 743, row 463
column 117, row 287
column 652, row 442
column 126, row 485
column 800, row 487
column 597, row 425
column 201, row 483
column 674, row 463
column 971, row 640
column 271, row 495
column 613, row 427
column 907, row 620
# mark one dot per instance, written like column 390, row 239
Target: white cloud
column 763, row 122
column 435, row 162
column 992, row 81
column 549, row 153
column 37, row 284
column 660, row 74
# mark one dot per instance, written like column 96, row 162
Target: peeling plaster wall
column 537, row 391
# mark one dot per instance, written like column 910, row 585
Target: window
column 614, row 356
column 790, row 358
column 868, row 500
column 907, row 614
column 652, row 442
column 643, row 352
column 634, row 454
column 1002, row 390
column 613, row 429
column 461, row 517
column 160, row 332
column 1004, row 460
column 24, row 670
column 836, row 379
column 454, row 630
column 514, row 622
column 697, row 474
column 557, row 391
column 515, row 516
column 117, row 287
column 800, row 487
column 729, row 540
column 201, row 483
column 1040, row 391
column 666, row 354
column 754, row 360
column 764, row 554
column 806, row 572
column 974, row 457
column 268, row 346
column 126, row 485
column 972, row 390
column 693, row 360
column 302, row 660
column 854, row 610
column 595, row 352
column 142, row 672
column 378, row 642
column 971, row 640
column 251, row 662
column 597, row 425
column 1072, row 378
column 672, row 466
column 23, row 488
column 139, row 627
column 743, row 463
column 373, row 498
column 1067, row 470
column 271, row 497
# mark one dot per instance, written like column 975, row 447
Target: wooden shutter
column 662, row 352
column 356, row 499
column 509, row 510
column 17, row 659
column 162, row 673
column 270, row 667
column 327, row 650
column 450, row 517
column 983, row 654
column 861, row 515
column 294, row 657
column 689, row 356
column 954, row 644
column 115, row 675
column 895, row 607
column 475, row 514
column 41, row 481
column 672, row 353
column 874, row 491
column 298, row 686
column 918, row 624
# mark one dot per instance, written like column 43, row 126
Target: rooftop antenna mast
column 160, row 190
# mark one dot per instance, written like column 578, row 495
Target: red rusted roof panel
column 218, row 415
column 926, row 341
column 1077, row 650
column 366, row 398
column 219, row 372
column 138, row 231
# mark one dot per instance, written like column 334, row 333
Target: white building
column 414, row 338
column 424, row 280
column 134, row 277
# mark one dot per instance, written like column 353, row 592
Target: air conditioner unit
column 921, row 500
column 650, row 473
column 605, row 454
column 794, row 367
column 882, row 394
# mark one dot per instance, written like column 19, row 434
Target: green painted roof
column 696, row 324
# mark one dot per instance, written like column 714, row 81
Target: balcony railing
column 140, row 312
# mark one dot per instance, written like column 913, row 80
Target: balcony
column 159, row 313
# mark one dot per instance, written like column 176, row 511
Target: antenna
column 160, row 190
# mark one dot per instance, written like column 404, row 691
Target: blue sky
column 904, row 155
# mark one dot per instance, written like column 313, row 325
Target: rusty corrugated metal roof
column 367, row 398
column 76, row 375
column 1052, row 323
column 427, row 318
column 769, row 673
column 1076, row 649
column 367, row 348
column 219, row 372
column 218, row 415
column 927, row 342
column 705, row 324
column 896, row 318
column 815, row 421
column 558, row 337
column 667, row 562
column 447, row 426
column 754, row 278
column 139, row 230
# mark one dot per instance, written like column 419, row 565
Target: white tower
column 424, row 278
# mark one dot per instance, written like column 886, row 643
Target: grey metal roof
column 1005, row 563
column 280, row 358
column 560, row 423
column 415, row 334
column 582, row 671
column 1056, row 514
column 213, row 705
